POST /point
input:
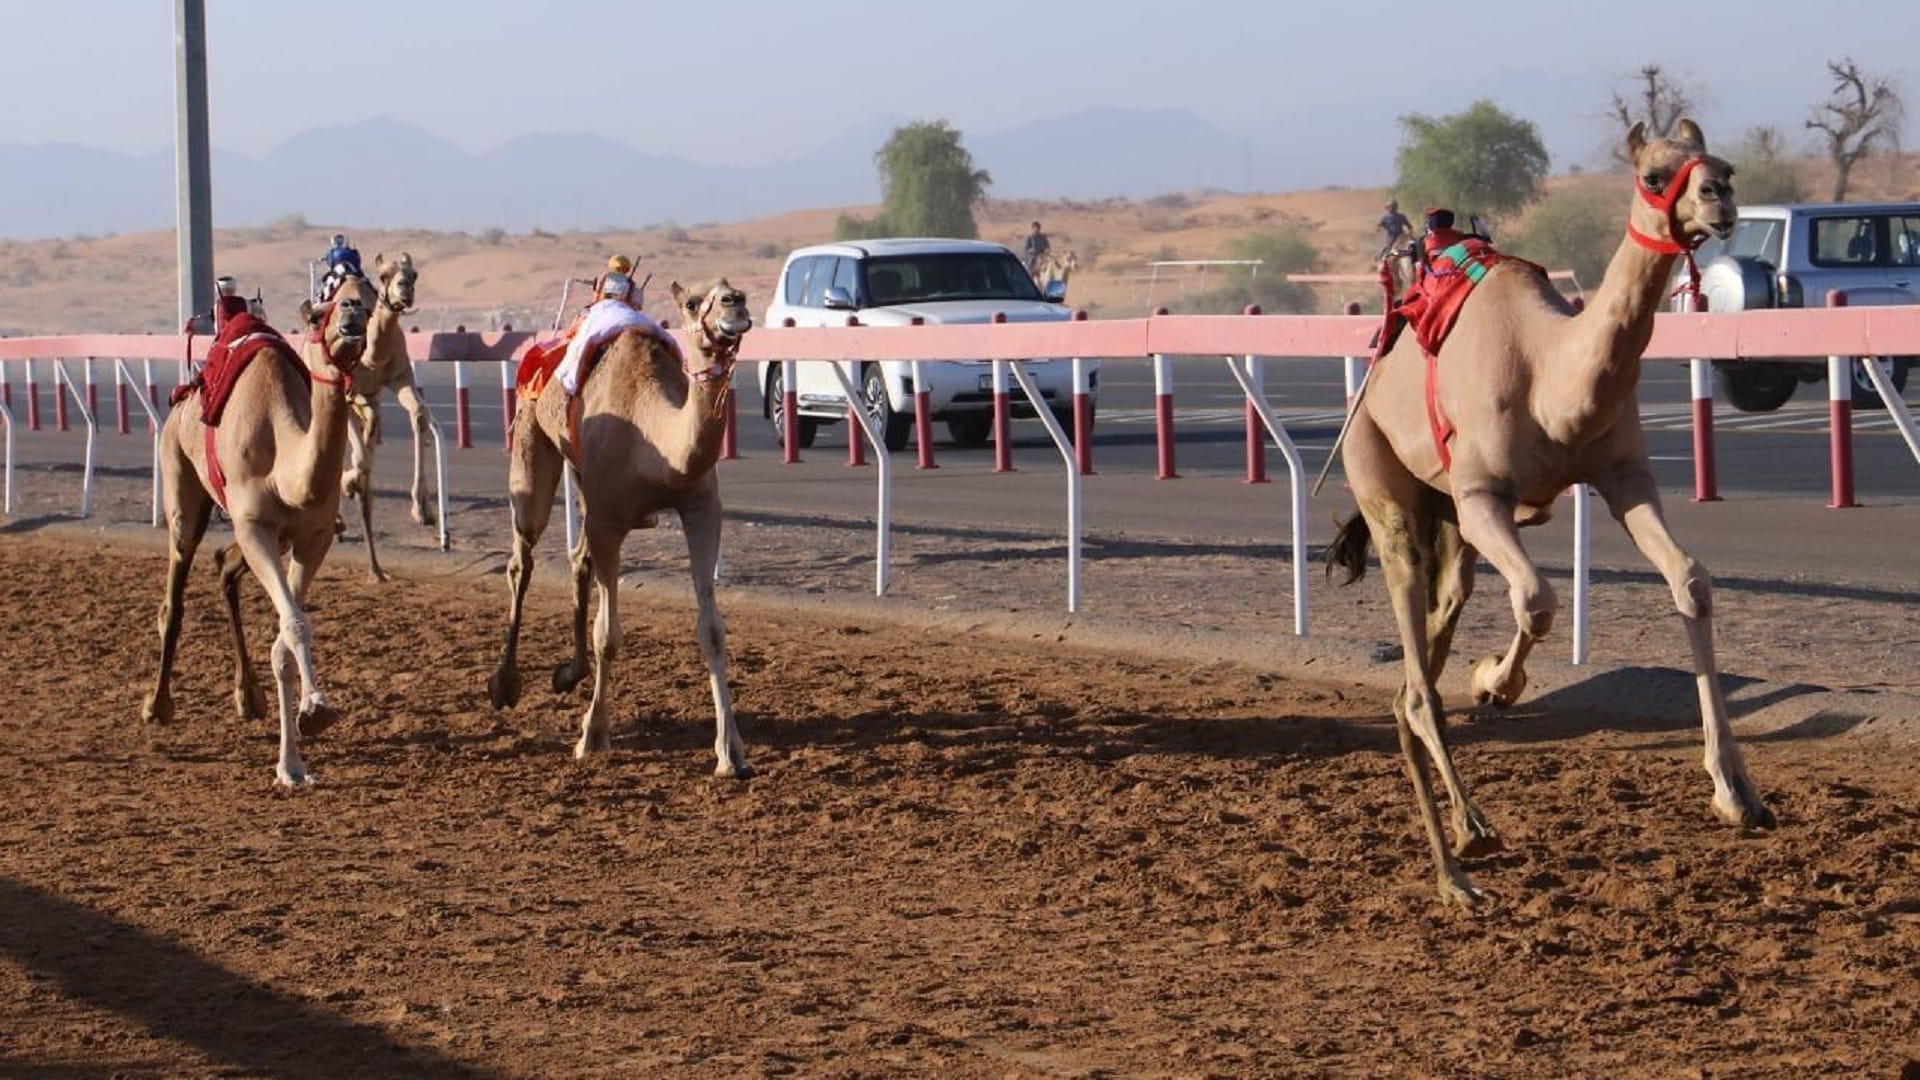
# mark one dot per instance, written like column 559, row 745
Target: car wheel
column 1757, row 387
column 777, row 410
column 894, row 426
column 970, row 428
column 1864, row 394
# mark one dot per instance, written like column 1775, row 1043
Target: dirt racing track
column 961, row 857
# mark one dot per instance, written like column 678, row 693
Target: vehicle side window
column 1906, row 241
column 1757, row 238
column 796, row 285
column 846, row 275
column 819, row 279
column 1847, row 241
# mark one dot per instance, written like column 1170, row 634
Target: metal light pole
column 193, row 186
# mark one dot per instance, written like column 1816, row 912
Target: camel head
column 1684, row 193
column 340, row 328
column 718, row 313
column 396, row 281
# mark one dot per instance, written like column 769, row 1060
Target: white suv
column 888, row 283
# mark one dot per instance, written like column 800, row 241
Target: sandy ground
column 990, row 854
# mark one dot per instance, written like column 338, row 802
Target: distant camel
column 1526, row 398
column 1055, row 266
column 387, row 365
column 643, row 436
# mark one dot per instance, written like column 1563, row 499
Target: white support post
column 440, row 486
column 1896, row 405
column 1065, row 445
column 63, row 377
column 1296, row 485
column 883, row 542
column 1582, row 566
column 153, row 424
column 567, row 497
column 6, row 416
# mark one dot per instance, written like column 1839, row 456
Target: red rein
column 1673, row 243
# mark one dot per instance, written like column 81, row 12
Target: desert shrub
column 767, row 250
column 493, row 236
column 1572, row 230
column 289, row 223
column 1762, row 171
column 674, row 234
column 849, row 227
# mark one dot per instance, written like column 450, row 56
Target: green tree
column 1483, row 160
column 1281, row 252
column 929, row 182
column 1762, row 171
column 1574, row 230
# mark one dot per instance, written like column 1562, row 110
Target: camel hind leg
column 702, row 522
column 533, row 476
column 603, row 545
column 1635, row 501
column 292, row 647
column 248, row 702
column 189, row 508
column 568, row 674
column 363, row 432
column 1398, row 514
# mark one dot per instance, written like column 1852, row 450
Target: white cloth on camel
column 603, row 322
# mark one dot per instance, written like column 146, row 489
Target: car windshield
column 905, row 279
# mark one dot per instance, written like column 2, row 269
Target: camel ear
column 1637, row 139
column 679, row 295
column 1691, row 132
column 307, row 312
column 406, row 260
column 381, row 268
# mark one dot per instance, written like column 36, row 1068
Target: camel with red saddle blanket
column 262, row 433
column 641, row 436
column 385, row 365
column 1448, row 456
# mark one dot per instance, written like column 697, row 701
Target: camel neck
column 702, row 424
column 1618, row 321
column 326, row 436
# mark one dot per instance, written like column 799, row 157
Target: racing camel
column 385, row 365
column 263, row 433
column 642, row 435
column 1449, row 457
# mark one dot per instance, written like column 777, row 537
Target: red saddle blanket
column 240, row 339
column 1431, row 306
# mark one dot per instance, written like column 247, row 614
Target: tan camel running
column 1055, row 266
column 1542, row 398
column 649, row 437
column 386, row 366
column 281, row 444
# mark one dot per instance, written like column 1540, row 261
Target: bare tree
column 1659, row 99
column 1861, row 116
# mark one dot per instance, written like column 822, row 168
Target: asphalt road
column 1773, row 471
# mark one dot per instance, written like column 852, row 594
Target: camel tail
column 1349, row 549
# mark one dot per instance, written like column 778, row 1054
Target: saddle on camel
column 240, row 333
column 1450, row 265
column 570, row 358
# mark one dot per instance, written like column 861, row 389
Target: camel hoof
column 590, row 745
column 567, row 676
column 503, row 689
column 1457, row 891
column 728, row 770
column 423, row 516
column 378, row 576
column 1487, row 691
column 316, row 719
column 1742, row 806
column 1477, row 844
column 297, row 777
column 339, row 527
column 158, row 709
column 249, row 703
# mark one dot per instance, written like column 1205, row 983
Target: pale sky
column 748, row 81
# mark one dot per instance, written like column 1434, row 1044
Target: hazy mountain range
column 385, row 174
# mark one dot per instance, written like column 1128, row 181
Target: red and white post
column 1353, row 368
column 1256, row 431
column 856, row 437
column 153, row 390
column 121, row 417
column 1840, row 419
column 1002, row 413
column 1082, row 411
column 506, row 404
column 1163, row 413
column 922, row 412
column 1700, row 382
column 93, row 388
column 462, row 408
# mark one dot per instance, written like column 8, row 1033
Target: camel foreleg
column 533, row 475
column 603, row 547
column 421, row 420
column 292, row 651
column 568, row 674
column 1487, row 523
column 1635, row 502
column 702, row 522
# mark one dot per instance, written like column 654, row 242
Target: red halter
column 1676, row 242
column 318, row 336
